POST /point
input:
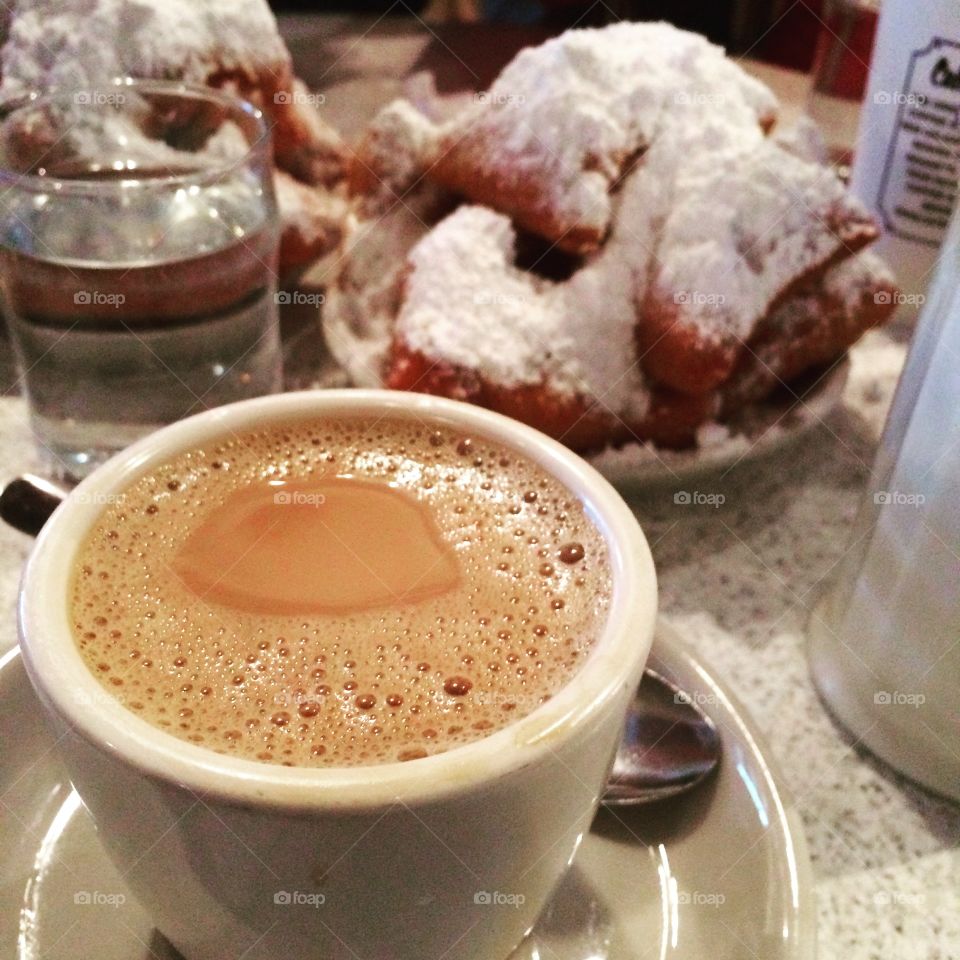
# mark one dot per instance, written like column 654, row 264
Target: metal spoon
column 669, row 744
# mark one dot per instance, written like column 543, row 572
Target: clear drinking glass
column 138, row 242
column 884, row 640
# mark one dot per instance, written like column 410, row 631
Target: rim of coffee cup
column 64, row 683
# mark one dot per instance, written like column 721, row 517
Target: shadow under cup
column 453, row 855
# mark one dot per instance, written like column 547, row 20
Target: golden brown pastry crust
column 812, row 329
column 581, row 422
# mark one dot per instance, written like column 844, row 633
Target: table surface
column 738, row 581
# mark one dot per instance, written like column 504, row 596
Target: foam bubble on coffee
column 424, row 589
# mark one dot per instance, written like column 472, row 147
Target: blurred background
column 778, row 31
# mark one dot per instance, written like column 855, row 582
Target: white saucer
column 722, row 873
column 762, row 429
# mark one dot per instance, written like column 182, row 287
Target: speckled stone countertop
column 738, row 581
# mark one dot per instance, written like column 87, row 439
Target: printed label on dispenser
column 919, row 183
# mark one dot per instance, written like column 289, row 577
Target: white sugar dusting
column 394, row 152
column 75, row 45
column 361, row 307
column 392, row 215
column 863, row 274
column 315, row 215
column 610, row 92
column 747, row 219
column 468, row 304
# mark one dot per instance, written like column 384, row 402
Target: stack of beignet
column 227, row 44
column 608, row 244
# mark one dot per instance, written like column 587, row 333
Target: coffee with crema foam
column 340, row 591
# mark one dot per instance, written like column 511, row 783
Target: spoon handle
column 26, row 502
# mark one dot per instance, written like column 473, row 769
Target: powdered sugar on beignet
column 747, row 221
column 230, row 44
column 392, row 156
column 394, row 206
column 466, row 303
column 57, row 43
column 311, row 221
column 552, row 136
column 644, row 151
column 813, row 327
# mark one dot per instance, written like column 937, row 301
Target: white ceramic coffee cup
column 451, row 856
